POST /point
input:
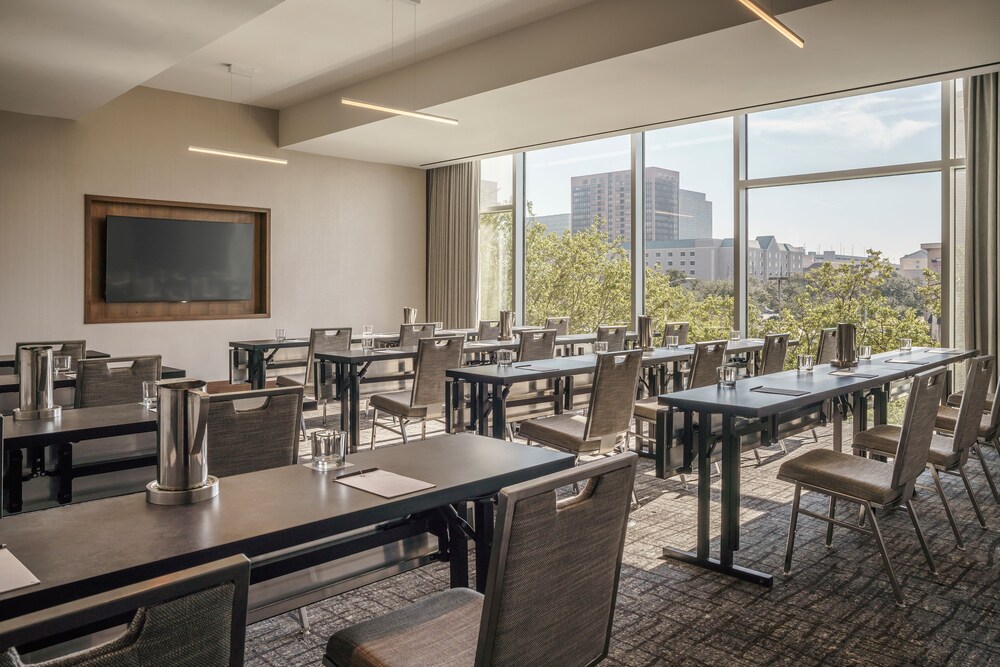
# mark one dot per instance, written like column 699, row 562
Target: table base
column 743, row 573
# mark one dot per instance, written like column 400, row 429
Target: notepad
column 845, row 373
column 543, row 369
column 944, row 350
column 13, row 573
column 384, row 483
column 779, row 391
column 386, row 350
column 908, row 362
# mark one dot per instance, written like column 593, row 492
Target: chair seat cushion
column 292, row 380
column 440, row 629
column 397, row 403
column 947, row 417
column 647, row 408
column 955, row 400
column 854, row 476
column 884, row 439
column 563, row 432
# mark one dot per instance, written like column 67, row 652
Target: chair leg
column 304, row 620
column 790, row 545
column 781, row 444
column 684, row 481
column 374, row 426
column 947, row 506
column 972, row 497
column 510, row 432
column 402, row 429
column 986, row 471
column 920, row 536
column 815, row 437
column 302, row 426
column 756, row 456
column 718, row 468
column 829, row 526
column 877, row 534
column 576, row 486
column 324, row 413
column 423, row 429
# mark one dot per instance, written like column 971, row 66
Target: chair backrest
column 536, row 344
column 679, row 329
column 409, row 334
column 76, row 349
column 977, row 382
column 254, row 438
column 775, row 350
column 560, row 324
column 616, row 380
column 708, row 356
column 826, row 349
column 918, row 428
column 109, row 382
column 615, row 336
column 324, row 341
column 994, row 416
column 192, row 618
column 434, row 357
column 489, row 329
column 576, row 546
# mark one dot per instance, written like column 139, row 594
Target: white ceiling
column 67, row 57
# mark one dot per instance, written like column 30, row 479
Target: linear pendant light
column 771, row 20
column 398, row 112
column 244, row 156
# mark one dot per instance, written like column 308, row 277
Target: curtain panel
column 982, row 240
column 453, row 245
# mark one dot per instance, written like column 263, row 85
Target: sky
column 892, row 214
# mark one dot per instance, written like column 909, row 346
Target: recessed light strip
column 398, row 112
column 242, row 156
column 774, row 23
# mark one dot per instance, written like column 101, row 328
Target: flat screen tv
column 151, row 259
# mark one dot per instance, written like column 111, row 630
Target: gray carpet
column 836, row 608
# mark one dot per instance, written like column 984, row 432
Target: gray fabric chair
column 411, row 334
column 679, row 329
column 537, row 344
column 870, row 483
column 191, row 618
column 534, row 395
column 321, row 341
column 614, row 336
column 826, row 348
column 605, row 427
column 947, row 454
column 242, row 440
column 560, row 324
column 106, row 382
column 425, row 400
column 488, row 330
column 989, row 430
column 575, row 545
column 75, row 349
column 773, row 356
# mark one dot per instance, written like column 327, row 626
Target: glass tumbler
column 806, row 363
column 329, row 448
column 600, row 346
column 672, row 341
column 865, row 352
column 505, row 357
column 149, row 394
column 905, row 344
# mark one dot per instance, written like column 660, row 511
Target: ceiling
column 516, row 73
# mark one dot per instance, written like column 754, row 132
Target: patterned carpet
column 836, row 608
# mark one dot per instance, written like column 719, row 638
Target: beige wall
column 347, row 237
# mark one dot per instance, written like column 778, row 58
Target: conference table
column 285, row 519
column 756, row 406
column 7, row 360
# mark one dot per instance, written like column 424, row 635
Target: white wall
column 347, row 237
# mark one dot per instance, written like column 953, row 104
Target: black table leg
column 13, row 502
column 342, row 394
column 258, row 369
column 730, row 492
column 479, row 409
column 499, row 413
column 64, row 468
column 704, row 480
column 483, row 509
column 663, row 438
column 449, row 392
column 355, row 391
column 458, row 551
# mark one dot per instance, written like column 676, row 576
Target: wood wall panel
column 97, row 208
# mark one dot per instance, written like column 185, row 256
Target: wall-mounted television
column 153, row 259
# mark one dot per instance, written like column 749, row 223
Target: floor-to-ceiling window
column 577, row 234
column 496, row 227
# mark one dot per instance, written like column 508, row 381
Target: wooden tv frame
column 96, row 310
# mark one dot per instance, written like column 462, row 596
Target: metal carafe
column 645, row 332
column 506, row 325
column 409, row 315
column 239, row 369
column 35, row 384
column 182, row 445
column 847, row 355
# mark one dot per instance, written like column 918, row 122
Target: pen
column 356, row 472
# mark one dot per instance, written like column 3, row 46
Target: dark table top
column 7, row 360
column 743, row 402
column 79, row 424
column 81, row 549
column 546, row 369
column 9, row 383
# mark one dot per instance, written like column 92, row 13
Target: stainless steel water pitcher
column 409, row 315
column 645, row 332
column 181, row 445
column 239, row 367
column 847, row 354
column 506, row 325
column 35, row 384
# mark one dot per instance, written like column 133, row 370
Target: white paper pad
column 846, row 373
column 384, row 483
column 909, row 362
column 13, row 573
column 944, row 350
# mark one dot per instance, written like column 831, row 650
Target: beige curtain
column 982, row 239
column 453, row 245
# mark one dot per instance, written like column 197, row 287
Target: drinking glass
column 61, row 362
column 329, row 449
column 865, row 352
column 600, row 346
column 806, row 363
column 148, row 394
column 735, row 335
column 368, row 338
column 505, row 357
column 726, row 375
column 279, row 335
column 905, row 344
column 672, row 341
